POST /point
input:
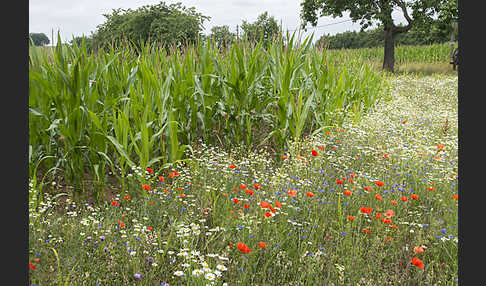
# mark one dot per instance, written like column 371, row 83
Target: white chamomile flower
column 221, row 267
column 179, row 273
column 210, row 276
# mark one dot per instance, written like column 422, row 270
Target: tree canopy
column 418, row 13
column 39, row 39
column 264, row 28
column 221, row 36
column 165, row 24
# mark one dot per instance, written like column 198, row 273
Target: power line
column 325, row 25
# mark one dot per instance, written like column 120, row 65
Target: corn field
column 95, row 114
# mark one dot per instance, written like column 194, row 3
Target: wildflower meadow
column 365, row 200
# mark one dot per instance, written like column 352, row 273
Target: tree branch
column 407, row 17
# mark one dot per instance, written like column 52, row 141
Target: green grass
column 408, row 142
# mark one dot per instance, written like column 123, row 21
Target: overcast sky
column 76, row 18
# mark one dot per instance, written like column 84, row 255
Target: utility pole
column 237, row 35
column 451, row 54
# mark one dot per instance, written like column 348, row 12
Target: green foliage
column 167, row 25
column 264, row 28
column 38, row 39
column 221, row 36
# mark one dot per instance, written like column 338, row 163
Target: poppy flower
column 268, row 214
column 278, row 204
column 367, row 231
column 32, row 266
column 378, row 197
column 351, row 181
column 365, row 210
column 224, row 194
column 243, row 247
column 414, row 196
column 179, row 188
column 388, row 238
column 394, row 203
column 264, row 205
column 232, row 166
column 440, row 147
column 242, row 186
column 379, row 183
column 328, row 132
column 418, row 249
column 176, row 173
column 385, row 156
column 115, row 203
column 309, row 194
column 455, row 197
column 248, row 191
column 146, row 187
column 161, row 178
column 314, row 153
column 127, row 197
column 339, row 182
column 386, row 220
column 150, row 170
column 350, row 218
column 121, row 223
column 430, row 188
column 292, row 193
column 417, row 262
column 171, row 175
column 262, row 244
column 284, row 157
column 322, row 147
column 378, row 215
column 347, row 192
column 394, row 226
column 149, row 228
column 404, row 198
column 230, row 244
column 389, row 213
column 272, row 209
column 404, row 121
column 256, row 186
column 367, row 188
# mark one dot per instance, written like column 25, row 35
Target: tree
column 416, row 13
column 39, row 39
column 265, row 28
column 167, row 25
column 222, row 36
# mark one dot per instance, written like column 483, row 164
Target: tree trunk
column 389, row 59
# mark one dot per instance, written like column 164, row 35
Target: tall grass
column 92, row 114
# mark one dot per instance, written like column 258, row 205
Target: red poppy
column 440, row 147
column 284, row 157
column 246, row 206
column 179, row 188
column 115, row 203
column 328, row 132
column 339, row 182
column 367, row 231
column 248, row 191
column 455, row 197
column 417, row 262
column 243, row 247
column 352, row 175
column 146, row 187
column 309, row 194
column 404, row 198
column 278, row 204
column 272, row 209
column 394, row 203
column 121, row 223
column 150, row 170
column 230, row 243
column 256, row 186
column 264, row 205
column 268, row 214
column 224, row 194
column 389, row 213
column 149, row 228
column 414, row 196
column 322, row 147
column 404, row 121
column 171, row 175
column 32, row 266
column 292, row 193
column 388, row 238
column 379, row 183
column 242, row 186
column 385, row 156
column 314, row 153
column 386, row 220
column 235, row 188
column 232, row 166
column 162, row 179
column 418, row 249
column 430, row 188
column 367, row 188
column 378, row 197
column 262, row 244
column 347, row 192
column 378, row 215
column 394, row 226
column 350, row 218
column 176, row 173
column 351, row 181
column 366, row 210
column 127, row 197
